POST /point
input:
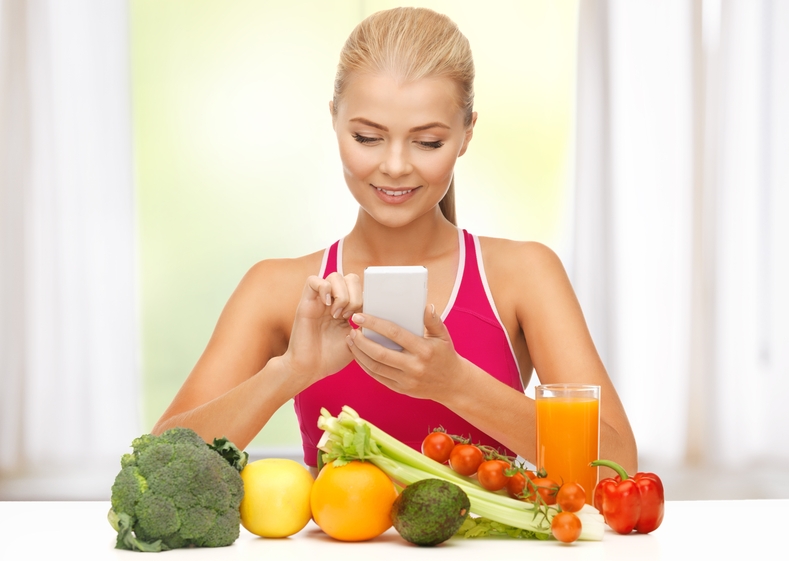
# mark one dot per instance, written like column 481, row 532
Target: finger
column 391, row 383
column 375, row 352
column 376, row 365
column 339, row 293
column 354, row 295
column 400, row 378
column 434, row 327
column 317, row 287
column 388, row 329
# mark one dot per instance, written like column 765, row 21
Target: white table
column 710, row 529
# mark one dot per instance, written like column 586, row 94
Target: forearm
column 500, row 411
column 509, row 416
column 619, row 447
column 239, row 413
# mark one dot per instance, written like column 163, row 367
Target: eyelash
column 368, row 140
column 363, row 139
column 433, row 144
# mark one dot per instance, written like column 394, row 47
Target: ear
column 469, row 134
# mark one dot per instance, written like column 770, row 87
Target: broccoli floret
column 174, row 490
column 129, row 486
column 181, row 436
column 157, row 517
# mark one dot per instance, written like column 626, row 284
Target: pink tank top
column 477, row 334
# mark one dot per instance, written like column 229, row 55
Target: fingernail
column 352, row 335
column 346, row 315
column 433, row 310
column 328, row 299
column 349, row 341
column 357, row 318
column 336, row 314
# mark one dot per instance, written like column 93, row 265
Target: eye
column 364, row 139
column 432, row 144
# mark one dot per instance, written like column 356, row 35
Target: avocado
column 430, row 511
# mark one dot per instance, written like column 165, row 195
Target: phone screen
column 397, row 294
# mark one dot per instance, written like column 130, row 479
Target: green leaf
column 230, row 452
column 481, row 527
column 360, row 440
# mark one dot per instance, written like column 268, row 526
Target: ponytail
column 447, row 204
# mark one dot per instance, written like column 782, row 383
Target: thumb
column 434, row 327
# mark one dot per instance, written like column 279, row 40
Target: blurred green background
column 236, row 161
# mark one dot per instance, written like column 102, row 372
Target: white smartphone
column 397, row 294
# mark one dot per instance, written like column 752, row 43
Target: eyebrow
column 369, row 123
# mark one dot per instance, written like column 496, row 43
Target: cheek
column 438, row 168
column 355, row 161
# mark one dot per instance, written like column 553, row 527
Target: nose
column 396, row 162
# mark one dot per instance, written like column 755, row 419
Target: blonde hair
column 411, row 43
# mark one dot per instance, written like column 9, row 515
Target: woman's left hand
column 425, row 368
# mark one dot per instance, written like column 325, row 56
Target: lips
column 394, row 195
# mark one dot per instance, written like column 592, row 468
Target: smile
column 394, row 193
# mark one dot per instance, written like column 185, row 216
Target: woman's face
column 399, row 143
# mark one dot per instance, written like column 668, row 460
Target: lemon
column 276, row 501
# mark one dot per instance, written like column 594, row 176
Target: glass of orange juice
column 568, row 433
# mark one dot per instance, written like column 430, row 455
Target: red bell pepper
column 629, row 504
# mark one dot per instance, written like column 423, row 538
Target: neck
column 417, row 243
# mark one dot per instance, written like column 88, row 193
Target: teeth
column 394, row 193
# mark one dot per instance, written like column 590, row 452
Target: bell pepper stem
column 613, row 465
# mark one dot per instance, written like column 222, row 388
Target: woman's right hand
column 317, row 345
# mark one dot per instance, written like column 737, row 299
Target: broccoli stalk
column 123, row 525
column 176, row 491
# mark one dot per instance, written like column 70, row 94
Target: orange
column 352, row 502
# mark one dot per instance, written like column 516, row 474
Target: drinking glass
column 568, row 429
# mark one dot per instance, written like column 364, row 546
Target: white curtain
column 681, row 241
column 68, row 326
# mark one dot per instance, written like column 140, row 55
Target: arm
column 270, row 343
column 543, row 312
column 540, row 310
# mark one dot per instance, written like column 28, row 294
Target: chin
column 396, row 218
column 390, row 221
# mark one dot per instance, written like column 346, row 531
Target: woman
column 403, row 113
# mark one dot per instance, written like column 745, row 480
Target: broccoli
column 174, row 490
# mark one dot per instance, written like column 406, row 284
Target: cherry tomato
column 465, row 459
column 491, row 474
column 437, row 446
column 545, row 487
column 571, row 497
column 515, row 485
column 566, row 527
column 517, row 482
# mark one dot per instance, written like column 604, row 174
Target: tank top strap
column 474, row 300
column 329, row 264
column 473, row 293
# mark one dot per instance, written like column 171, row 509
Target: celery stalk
column 349, row 437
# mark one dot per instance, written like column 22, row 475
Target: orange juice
column 568, row 436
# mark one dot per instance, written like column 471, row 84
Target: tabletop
column 709, row 528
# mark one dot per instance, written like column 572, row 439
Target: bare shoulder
column 276, row 284
column 527, row 278
column 529, row 261
column 277, row 274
